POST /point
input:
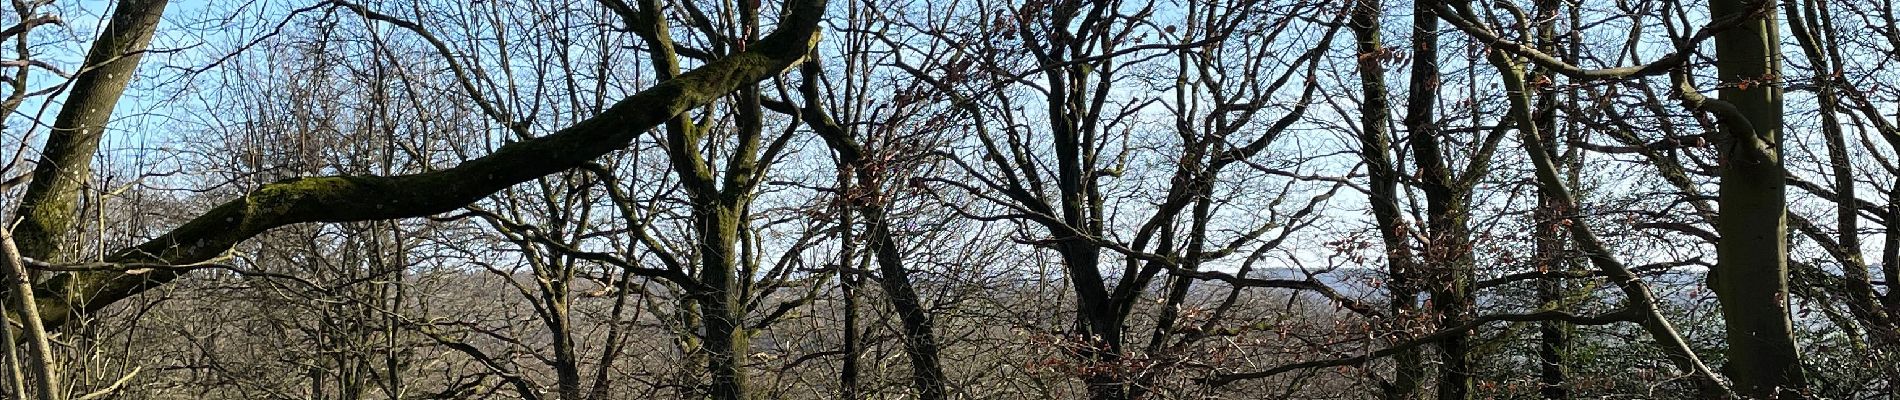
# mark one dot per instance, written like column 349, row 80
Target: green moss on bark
column 360, row 198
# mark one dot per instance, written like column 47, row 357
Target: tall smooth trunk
column 1751, row 275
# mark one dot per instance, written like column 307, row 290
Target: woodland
column 950, row 199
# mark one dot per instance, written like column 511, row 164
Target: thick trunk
column 567, row 371
column 1751, row 276
column 1553, row 337
column 1098, row 323
column 726, row 337
column 726, row 345
column 65, row 166
column 720, row 213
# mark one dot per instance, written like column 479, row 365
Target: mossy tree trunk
column 64, row 170
column 63, row 173
column 720, row 198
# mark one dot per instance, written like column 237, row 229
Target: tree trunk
column 65, row 165
column 1553, row 337
column 847, row 288
column 1375, row 143
column 726, row 337
column 1751, row 275
column 1447, row 259
column 920, row 339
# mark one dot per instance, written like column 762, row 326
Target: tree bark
column 361, row 198
column 1447, row 261
column 1375, row 144
column 65, row 166
column 1751, row 275
column 1553, row 344
column 39, row 348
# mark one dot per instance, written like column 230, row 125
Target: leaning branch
column 1460, row 16
column 362, row 198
